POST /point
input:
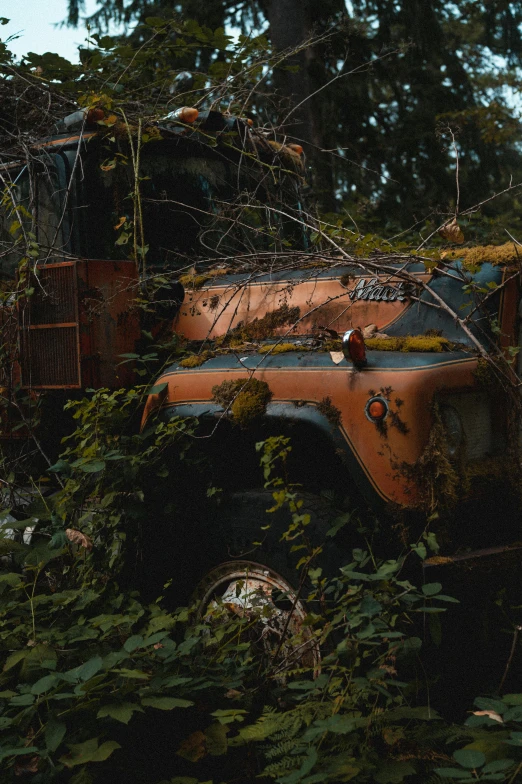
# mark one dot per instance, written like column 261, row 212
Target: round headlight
column 354, row 349
column 453, row 426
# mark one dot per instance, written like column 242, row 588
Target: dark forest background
column 393, row 89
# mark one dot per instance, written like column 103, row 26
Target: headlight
column 454, row 429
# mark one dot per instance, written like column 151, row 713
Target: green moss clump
column 193, row 281
column 413, row 343
column 263, row 328
column 482, row 254
column 280, row 348
column 436, row 477
column 195, row 360
column 246, row 399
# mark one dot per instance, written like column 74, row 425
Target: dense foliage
column 89, row 668
column 98, row 682
column 393, row 83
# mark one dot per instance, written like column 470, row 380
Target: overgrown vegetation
column 91, row 669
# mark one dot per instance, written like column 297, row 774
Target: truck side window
column 15, row 216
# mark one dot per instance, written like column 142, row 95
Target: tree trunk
column 290, row 27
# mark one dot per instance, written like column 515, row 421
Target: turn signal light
column 186, row 114
column 94, row 115
column 354, row 349
column 376, row 409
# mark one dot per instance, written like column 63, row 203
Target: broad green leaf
column 513, row 714
column 165, row 703
column 469, row 758
column 93, row 466
column 157, row 388
column 216, row 739
column 133, row 643
column 22, row 699
column 138, row 674
column 512, row 699
column 88, row 751
column 44, row 684
column 14, row 658
column 487, row 703
column 121, row 711
column 393, row 772
column 369, row 606
column 4, row 753
column 430, row 589
column 85, row 671
column 54, row 734
column 497, row 765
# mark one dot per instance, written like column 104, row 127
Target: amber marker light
column 95, row 115
column 376, row 409
column 186, row 114
column 354, row 349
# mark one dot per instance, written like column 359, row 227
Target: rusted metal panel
column 212, row 311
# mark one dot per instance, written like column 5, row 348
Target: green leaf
column 14, row 658
column 121, row 711
column 157, row 388
column 487, row 703
column 216, row 739
column 85, row 671
column 138, row 674
column 394, row 772
column 165, row 703
column 225, row 716
column 22, row 699
column 92, row 466
column 512, row 699
column 430, row 589
column 513, row 714
column 54, row 734
column 369, row 606
column 89, row 751
column 44, row 684
column 469, row 758
column 452, row 773
column 497, row 765
column 4, row 753
column 133, row 643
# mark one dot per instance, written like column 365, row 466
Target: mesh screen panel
column 49, row 355
column 54, row 300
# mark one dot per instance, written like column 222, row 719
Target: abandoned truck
column 373, row 366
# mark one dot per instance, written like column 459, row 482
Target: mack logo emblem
column 378, row 292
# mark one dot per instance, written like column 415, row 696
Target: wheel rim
column 272, row 612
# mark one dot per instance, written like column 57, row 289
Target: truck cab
column 374, row 366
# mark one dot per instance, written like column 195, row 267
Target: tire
column 235, row 563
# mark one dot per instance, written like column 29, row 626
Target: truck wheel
column 244, row 570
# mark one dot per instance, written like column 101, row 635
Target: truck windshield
column 191, row 205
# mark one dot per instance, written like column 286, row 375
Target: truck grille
column 49, row 333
